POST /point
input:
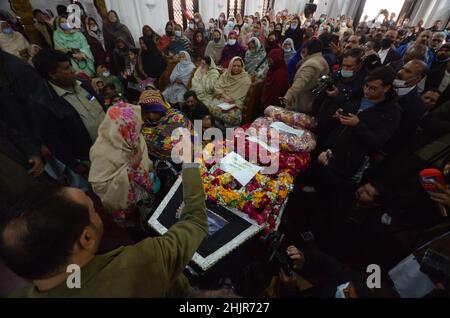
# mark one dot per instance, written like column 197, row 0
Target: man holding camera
column 361, row 127
column 349, row 81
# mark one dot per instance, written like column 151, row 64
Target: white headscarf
column 183, row 70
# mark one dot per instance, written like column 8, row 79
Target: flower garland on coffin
column 263, row 197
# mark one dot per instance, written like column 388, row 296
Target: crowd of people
column 94, row 108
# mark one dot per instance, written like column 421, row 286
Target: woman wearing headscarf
column 113, row 29
column 148, row 32
column 179, row 79
column 120, row 56
column 105, row 75
column 199, row 24
column 153, row 63
column 289, row 50
column 254, row 57
column 205, row 79
column 295, row 33
column 69, row 40
column 277, row 80
column 222, row 21
column 95, row 40
column 13, row 42
column 232, row 88
column 160, row 120
column 121, row 172
column 231, row 50
column 178, row 42
column 229, row 27
column 191, row 28
column 215, row 47
column 273, row 42
column 165, row 40
column 198, row 46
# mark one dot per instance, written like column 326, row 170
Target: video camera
column 326, row 83
column 280, row 260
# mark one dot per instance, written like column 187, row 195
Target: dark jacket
column 19, row 84
column 435, row 77
column 437, row 122
column 15, row 145
column 350, row 145
column 392, row 56
column 413, row 109
column 62, row 129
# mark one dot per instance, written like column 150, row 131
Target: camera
column 326, row 83
column 279, row 260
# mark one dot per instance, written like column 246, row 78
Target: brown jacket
column 311, row 69
column 46, row 36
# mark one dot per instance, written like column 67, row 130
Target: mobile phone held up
column 429, row 178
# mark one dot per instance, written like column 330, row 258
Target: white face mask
column 232, row 41
column 106, row 74
column 94, row 28
column 191, row 26
column 340, row 290
column 399, row 83
column 178, row 33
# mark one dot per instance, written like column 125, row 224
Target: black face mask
column 386, row 43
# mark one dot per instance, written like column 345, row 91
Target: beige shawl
column 234, row 86
column 203, row 83
column 213, row 49
column 119, row 135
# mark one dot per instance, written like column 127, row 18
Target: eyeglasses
column 372, row 89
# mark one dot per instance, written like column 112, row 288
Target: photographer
column 362, row 126
column 349, row 81
column 330, row 278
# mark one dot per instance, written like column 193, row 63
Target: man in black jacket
column 411, row 104
column 19, row 84
column 361, row 127
column 70, row 111
column 20, row 161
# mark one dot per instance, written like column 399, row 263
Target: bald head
column 413, row 72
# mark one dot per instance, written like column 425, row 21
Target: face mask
column 94, row 28
column 66, row 26
column 106, row 74
column 287, row 49
column 256, row 34
column 340, row 291
column 191, row 26
column 245, row 25
column 399, row 83
column 197, row 20
column 343, row 25
column 231, row 24
column 346, row 74
column 216, row 40
column 8, row 31
column 322, row 20
column 232, row 42
column 221, row 19
column 386, row 43
column 294, row 26
column 309, row 34
column 321, row 30
column 178, row 33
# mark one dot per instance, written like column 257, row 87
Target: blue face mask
column 340, row 291
column 8, row 31
column 346, row 74
column 66, row 26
